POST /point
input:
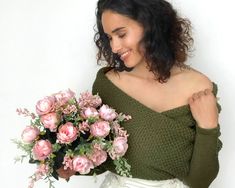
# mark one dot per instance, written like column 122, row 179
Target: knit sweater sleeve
column 204, row 165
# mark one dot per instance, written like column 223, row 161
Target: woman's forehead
column 112, row 21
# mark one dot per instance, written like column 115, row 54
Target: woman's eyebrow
column 117, row 29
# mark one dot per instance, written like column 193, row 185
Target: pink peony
column 29, row 134
column 42, row 149
column 100, row 129
column 50, row 121
column 67, row 133
column 107, row 113
column 120, row 147
column 90, row 112
column 46, row 105
column 82, row 164
column 63, row 97
column 98, row 157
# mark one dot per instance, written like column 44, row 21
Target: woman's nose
column 115, row 45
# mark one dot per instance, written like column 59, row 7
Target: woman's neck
column 142, row 71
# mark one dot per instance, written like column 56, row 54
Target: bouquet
column 76, row 133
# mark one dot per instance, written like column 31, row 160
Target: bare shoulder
column 111, row 75
column 195, row 81
column 115, row 77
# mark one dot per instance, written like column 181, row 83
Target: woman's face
column 124, row 35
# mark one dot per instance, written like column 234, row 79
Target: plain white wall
column 47, row 46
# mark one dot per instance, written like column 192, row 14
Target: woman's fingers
column 204, row 109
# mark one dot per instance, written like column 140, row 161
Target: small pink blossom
column 42, row 149
column 68, row 163
column 43, row 169
column 70, row 109
column 45, row 105
column 127, row 117
column 100, row 129
column 119, row 131
column 31, row 183
column 86, row 99
column 29, row 134
column 67, row 133
column 63, row 97
column 50, row 121
column 107, row 113
column 25, row 112
column 82, row 164
column 97, row 146
column 120, row 147
column 84, row 126
column 98, row 157
column 90, row 112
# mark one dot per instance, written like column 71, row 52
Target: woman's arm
column 204, row 165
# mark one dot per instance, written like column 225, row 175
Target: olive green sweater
column 163, row 145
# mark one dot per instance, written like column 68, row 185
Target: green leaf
column 122, row 167
column 56, row 147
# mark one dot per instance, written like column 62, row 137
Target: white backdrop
column 47, row 46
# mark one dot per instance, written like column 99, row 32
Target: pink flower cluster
column 41, row 171
column 88, row 132
column 84, row 163
column 46, row 108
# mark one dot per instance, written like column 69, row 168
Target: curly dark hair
column 167, row 37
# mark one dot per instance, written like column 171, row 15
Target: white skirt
column 115, row 181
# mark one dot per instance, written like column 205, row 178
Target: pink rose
column 100, row 129
column 63, row 97
column 82, row 164
column 67, row 133
column 98, row 157
column 46, row 105
column 90, row 112
column 42, row 149
column 107, row 113
column 29, row 134
column 120, row 147
column 50, row 121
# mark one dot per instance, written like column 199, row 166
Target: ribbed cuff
column 213, row 131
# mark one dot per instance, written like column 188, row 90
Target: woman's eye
column 122, row 35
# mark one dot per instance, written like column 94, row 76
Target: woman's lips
column 124, row 55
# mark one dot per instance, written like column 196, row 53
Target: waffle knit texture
column 163, row 145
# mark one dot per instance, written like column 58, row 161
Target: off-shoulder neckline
column 182, row 108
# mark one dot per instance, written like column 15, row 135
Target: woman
column 174, row 129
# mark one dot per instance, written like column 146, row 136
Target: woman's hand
column 66, row 174
column 204, row 109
